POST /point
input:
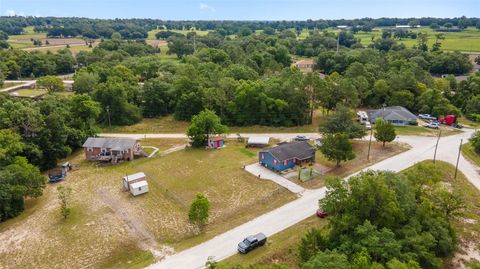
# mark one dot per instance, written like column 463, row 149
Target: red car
column 321, row 214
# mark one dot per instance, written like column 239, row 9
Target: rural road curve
column 225, row 245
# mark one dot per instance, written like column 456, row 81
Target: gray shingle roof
column 392, row 113
column 300, row 150
column 112, row 143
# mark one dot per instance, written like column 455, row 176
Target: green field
column 28, row 93
column 9, row 84
column 469, row 152
column 466, row 41
column 151, row 34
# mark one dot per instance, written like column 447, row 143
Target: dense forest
column 138, row 28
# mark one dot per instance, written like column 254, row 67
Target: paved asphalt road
column 224, row 245
column 280, row 136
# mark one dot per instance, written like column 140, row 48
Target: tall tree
column 384, row 131
column 51, row 83
column 337, row 147
column 203, row 125
column 342, row 121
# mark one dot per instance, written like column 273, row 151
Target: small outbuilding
column 138, row 188
column 258, row 141
column 130, row 179
column 215, row 142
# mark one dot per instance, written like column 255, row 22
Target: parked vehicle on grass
column 60, row 173
column 301, row 138
column 252, row 242
column 432, row 125
column 321, row 213
column 426, row 117
column 457, row 126
column 362, row 117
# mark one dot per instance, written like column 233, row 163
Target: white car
column 432, row 125
column 368, row 125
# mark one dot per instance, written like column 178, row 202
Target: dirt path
column 135, row 227
column 173, row 149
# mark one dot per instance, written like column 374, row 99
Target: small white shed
column 130, row 179
column 138, row 188
column 258, row 141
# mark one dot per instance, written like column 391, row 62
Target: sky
column 241, row 9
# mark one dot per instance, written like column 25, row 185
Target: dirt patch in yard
column 108, row 228
column 360, row 147
column 135, row 227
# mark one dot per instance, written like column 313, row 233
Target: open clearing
column 282, row 247
column 169, row 125
column 109, row 228
column 151, row 34
column 28, row 93
column 466, row 41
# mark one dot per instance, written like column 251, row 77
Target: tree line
column 138, row 28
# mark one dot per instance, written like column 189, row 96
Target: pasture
column 151, row 34
column 465, row 41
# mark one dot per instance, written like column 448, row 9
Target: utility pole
column 436, row 146
column 458, row 158
column 108, row 113
column 369, row 144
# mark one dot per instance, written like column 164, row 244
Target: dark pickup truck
column 252, row 242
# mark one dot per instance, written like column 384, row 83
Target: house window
column 139, row 188
column 285, row 162
column 275, row 162
column 263, row 156
column 89, row 149
column 104, row 150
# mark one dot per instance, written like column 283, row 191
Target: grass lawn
column 282, row 247
column 467, row 40
column 424, row 131
column 28, row 93
column 360, row 147
column 168, row 124
column 9, row 84
column 151, row 34
column 99, row 232
column 469, row 153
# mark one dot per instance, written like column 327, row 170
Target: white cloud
column 206, row 7
column 10, row 13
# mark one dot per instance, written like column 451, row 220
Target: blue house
column 286, row 155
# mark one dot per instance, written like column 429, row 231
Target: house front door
column 218, row 143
